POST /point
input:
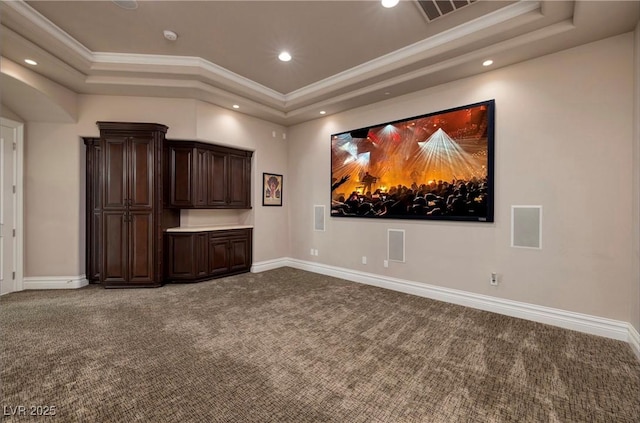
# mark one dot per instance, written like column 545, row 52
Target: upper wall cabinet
column 205, row 176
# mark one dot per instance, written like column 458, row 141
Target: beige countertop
column 207, row 228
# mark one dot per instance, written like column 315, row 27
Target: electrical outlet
column 316, row 252
column 494, row 279
column 364, row 259
column 311, row 252
column 386, row 263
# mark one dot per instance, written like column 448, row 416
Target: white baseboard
column 634, row 340
column 55, row 282
column 263, row 266
column 585, row 323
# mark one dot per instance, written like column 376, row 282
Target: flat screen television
column 437, row 166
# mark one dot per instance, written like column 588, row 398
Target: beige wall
column 55, row 181
column 7, row 113
column 564, row 132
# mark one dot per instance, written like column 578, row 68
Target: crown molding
column 532, row 37
column 137, row 62
column 417, row 51
column 198, row 90
column 188, row 65
column 38, row 20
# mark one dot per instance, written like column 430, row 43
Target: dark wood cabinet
column 194, row 256
column 208, row 176
column 125, row 199
column 93, row 209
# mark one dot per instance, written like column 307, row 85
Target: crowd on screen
column 459, row 198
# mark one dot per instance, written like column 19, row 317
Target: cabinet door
column 115, row 251
column 140, row 176
column 94, row 209
column 200, row 178
column 94, row 246
column 180, row 175
column 201, row 254
column 238, row 181
column 240, row 256
column 141, row 251
column 217, row 179
column 218, row 256
column 115, row 173
column 180, row 249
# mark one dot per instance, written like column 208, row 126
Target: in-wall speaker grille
column 318, row 218
column 526, row 226
column 395, row 244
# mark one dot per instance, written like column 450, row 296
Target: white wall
column 564, row 135
column 55, row 178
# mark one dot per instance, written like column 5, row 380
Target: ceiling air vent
column 433, row 9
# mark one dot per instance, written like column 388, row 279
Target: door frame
column 18, row 283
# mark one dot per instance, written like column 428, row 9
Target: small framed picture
column 271, row 189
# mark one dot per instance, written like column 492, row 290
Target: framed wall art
column 271, row 189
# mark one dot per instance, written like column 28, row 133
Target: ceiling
column 345, row 53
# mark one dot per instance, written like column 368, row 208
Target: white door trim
column 19, row 209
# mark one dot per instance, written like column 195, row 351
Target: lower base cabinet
column 196, row 256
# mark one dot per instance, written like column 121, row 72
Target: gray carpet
column 292, row 346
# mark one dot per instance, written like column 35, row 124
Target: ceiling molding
column 112, row 61
column 509, row 34
column 38, row 20
column 146, row 63
column 471, row 57
column 248, row 105
column 416, row 51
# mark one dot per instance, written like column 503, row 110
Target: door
column 8, row 210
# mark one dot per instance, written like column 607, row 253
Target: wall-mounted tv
column 438, row 166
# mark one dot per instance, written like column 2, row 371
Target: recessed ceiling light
column 389, row 3
column 126, row 4
column 235, row 106
column 487, row 62
column 322, row 112
column 30, row 62
column 284, row 56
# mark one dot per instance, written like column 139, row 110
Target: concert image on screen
column 436, row 166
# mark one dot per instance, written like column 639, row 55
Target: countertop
column 207, row 228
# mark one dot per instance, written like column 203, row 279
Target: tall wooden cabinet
column 128, row 217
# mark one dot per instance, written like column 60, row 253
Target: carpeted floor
column 292, row 346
